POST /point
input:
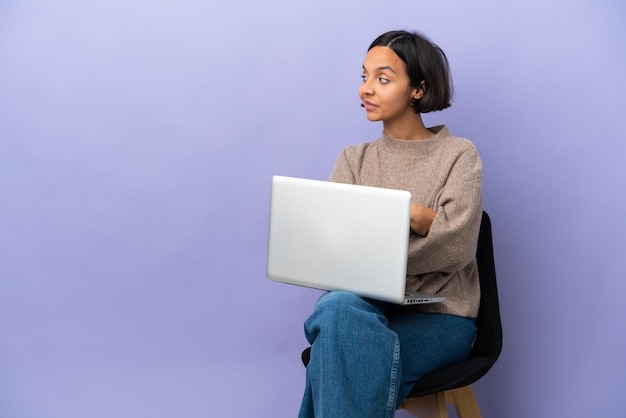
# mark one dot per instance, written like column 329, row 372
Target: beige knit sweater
column 443, row 173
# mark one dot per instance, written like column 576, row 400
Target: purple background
column 137, row 142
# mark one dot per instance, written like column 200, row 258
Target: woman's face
column 386, row 93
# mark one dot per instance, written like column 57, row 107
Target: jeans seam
column 391, row 404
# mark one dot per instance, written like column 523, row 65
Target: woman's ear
column 418, row 92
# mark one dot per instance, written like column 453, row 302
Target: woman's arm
column 451, row 241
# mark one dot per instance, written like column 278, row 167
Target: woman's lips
column 369, row 105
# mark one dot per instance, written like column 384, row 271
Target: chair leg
column 435, row 405
column 429, row 406
column 464, row 402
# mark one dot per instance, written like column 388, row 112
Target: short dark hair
column 425, row 62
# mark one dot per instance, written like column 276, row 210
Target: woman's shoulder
column 453, row 143
column 442, row 132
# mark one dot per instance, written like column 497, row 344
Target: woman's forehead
column 382, row 58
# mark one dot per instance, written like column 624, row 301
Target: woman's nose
column 365, row 88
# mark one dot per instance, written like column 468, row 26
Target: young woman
column 366, row 354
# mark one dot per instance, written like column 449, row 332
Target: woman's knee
column 337, row 299
column 349, row 304
column 338, row 309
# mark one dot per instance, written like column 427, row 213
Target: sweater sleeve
column 451, row 242
column 342, row 171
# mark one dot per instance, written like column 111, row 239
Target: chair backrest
column 489, row 339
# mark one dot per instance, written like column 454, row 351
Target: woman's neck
column 408, row 129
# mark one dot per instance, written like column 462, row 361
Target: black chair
column 431, row 394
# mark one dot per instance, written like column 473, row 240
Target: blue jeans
column 366, row 355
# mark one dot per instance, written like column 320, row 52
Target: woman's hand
column 421, row 219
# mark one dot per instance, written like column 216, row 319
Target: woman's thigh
column 429, row 341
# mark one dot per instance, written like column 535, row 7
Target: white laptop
column 335, row 236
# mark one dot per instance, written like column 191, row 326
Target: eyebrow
column 382, row 68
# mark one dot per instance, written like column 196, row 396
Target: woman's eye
column 364, row 78
column 383, row 80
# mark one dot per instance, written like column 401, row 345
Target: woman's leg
column 429, row 341
column 355, row 365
